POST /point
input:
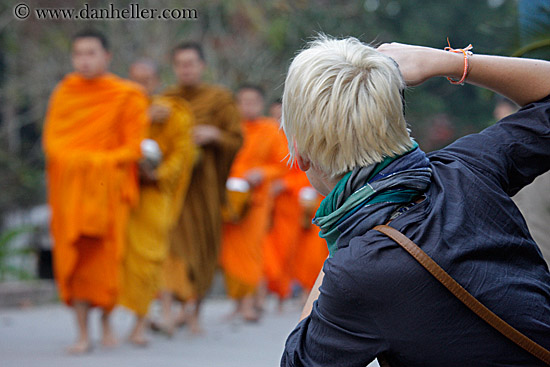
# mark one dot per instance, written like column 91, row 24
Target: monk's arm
column 276, row 167
column 48, row 144
column 181, row 158
column 133, row 124
column 519, row 79
column 231, row 137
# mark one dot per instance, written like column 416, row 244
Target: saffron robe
column 92, row 136
column 242, row 249
column 309, row 255
column 159, row 207
column 286, row 225
column 196, row 238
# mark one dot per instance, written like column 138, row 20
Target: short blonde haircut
column 342, row 106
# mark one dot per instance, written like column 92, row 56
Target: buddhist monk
column 196, row 238
column 286, row 227
column 92, row 134
column 310, row 250
column 276, row 109
column 165, row 173
column 259, row 162
column 293, row 249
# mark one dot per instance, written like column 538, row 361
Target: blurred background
column 245, row 41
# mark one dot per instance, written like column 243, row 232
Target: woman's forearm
column 313, row 295
column 519, row 79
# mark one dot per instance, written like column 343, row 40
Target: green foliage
column 492, row 30
column 8, row 254
column 536, row 33
column 245, row 41
column 22, row 183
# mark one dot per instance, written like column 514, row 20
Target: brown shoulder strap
column 462, row 294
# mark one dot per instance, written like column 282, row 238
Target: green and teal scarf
column 397, row 180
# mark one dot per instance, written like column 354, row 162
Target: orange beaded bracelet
column 466, row 51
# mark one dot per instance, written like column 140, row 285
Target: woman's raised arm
column 519, row 79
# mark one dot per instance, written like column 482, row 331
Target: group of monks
column 138, row 179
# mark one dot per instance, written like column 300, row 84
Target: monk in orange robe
column 259, row 162
column 93, row 130
column 165, row 171
column 276, row 110
column 310, row 251
column 195, row 240
column 286, row 216
column 286, row 227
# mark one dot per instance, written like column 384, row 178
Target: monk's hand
column 206, row 134
column 159, row 113
column 254, row 177
column 278, row 187
column 147, row 173
column 417, row 63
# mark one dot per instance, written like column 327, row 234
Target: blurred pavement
column 37, row 336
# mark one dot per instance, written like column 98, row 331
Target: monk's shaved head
column 188, row 63
column 193, row 46
column 146, row 73
column 92, row 33
column 250, row 100
column 90, row 54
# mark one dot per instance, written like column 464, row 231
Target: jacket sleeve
column 513, row 152
column 338, row 332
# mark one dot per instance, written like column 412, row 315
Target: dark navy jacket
column 376, row 298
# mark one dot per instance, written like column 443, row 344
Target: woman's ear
column 303, row 163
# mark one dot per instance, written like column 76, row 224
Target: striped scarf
column 397, row 180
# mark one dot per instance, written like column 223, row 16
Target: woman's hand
column 418, row 64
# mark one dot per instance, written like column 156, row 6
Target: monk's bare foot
column 280, row 306
column 181, row 320
column 231, row 316
column 108, row 340
column 154, row 326
column 248, row 309
column 250, row 314
column 251, row 317
column 138, row 340
column 162, row 328
column 137, row 336
column 80, row 347
column 194, row 326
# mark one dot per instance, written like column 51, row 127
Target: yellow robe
column 195, row 240
column 158, row 209
column 92, row 137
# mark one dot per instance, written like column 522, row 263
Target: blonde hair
column 342, row 106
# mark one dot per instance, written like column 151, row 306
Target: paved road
column 37, row 337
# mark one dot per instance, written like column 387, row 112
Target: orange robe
column 195, row 240
column 286, row 226
column 92, row 138
column 310, row 253
column 242, row 250
column 159, row 207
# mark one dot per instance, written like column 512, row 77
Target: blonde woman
column 343, row 116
